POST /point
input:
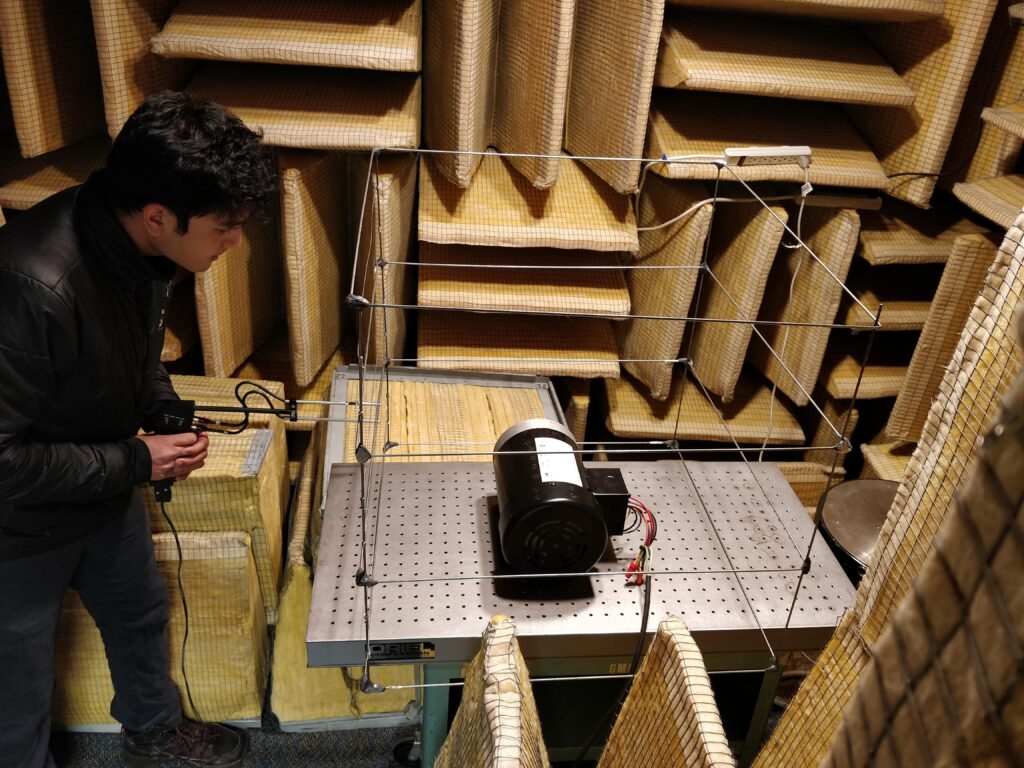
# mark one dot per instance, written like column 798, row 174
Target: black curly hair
column 192, row 156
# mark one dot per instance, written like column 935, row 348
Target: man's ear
column 157, row 220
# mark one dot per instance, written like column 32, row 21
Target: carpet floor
column 366, row 748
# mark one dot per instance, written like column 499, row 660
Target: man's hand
column 176, row 456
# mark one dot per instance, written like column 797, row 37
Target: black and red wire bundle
column 641, row 564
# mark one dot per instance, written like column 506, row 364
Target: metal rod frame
column 372, row 473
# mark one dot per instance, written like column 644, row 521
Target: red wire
column 651, row 525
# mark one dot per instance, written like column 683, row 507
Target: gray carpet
column 368, row 748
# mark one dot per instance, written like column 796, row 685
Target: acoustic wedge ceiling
column 958, row 290
column 883, row 376
column 1010, row 118
column 904, row 234
column 23, row 183
column 314, row 245
column 702, row 125
column 662, row 279
column 49, row 60
column 379, row 35
column 615, row 47
column 688, row 414
column 744, row 240
column 936, row 57
column 540, row 280
column 998, row 199
column 501, row 208
column 868, row 11
column 317, row 107
column 129, row 70
column 543, row 346
column 784, row 58
column 803, row 290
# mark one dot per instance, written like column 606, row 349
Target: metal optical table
column 731, row 542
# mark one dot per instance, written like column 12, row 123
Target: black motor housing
column 549, row 519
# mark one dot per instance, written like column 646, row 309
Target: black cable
column 184, row 606
column 633, row 667
column 254, row 388
column 237, row 427
column 923, row 174
column 636, row 522
column 943, row 174
column 222, row 428
column 205, row 424
column 257, row 390
column 212, row 426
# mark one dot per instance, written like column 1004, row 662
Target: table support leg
column 762, row 709
column 435, row 708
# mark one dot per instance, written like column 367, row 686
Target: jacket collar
column 105, row 241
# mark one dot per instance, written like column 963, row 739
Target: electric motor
column 549, row 519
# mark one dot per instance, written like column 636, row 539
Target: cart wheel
column 403, row 754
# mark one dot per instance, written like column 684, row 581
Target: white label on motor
column 557, row 462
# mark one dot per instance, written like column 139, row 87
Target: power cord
column 699, row 204
column 633, row 667
column 182, row 418
column 805, row 190
column 639, row 570
column 184, row 606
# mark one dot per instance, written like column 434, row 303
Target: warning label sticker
column 557, row 462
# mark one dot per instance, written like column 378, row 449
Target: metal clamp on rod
column 358, row 303
column 363, row 581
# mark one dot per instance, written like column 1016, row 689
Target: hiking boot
column 191, row 743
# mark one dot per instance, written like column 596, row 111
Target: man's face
column 207, row 238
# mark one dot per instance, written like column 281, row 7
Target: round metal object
column 528, row 425
column 852, row 515
column 549, row 520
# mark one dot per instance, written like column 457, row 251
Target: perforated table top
column 731, row 541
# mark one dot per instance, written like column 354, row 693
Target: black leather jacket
column 81, row 330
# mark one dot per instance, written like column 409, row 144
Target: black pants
column 115, row 574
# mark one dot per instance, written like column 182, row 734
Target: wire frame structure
column 515, row 279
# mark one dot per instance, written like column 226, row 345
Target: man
column 85, row 278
